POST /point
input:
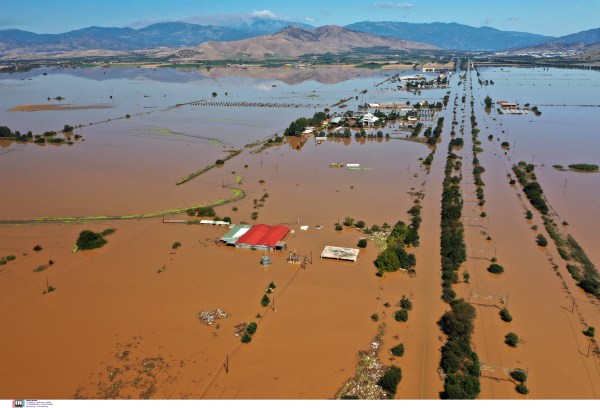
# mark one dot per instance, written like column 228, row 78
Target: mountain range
column 294, row 41
column 222, row 28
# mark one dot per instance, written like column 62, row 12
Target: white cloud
column 512, row 19
column 268, row 14
column 308, row 20
column 393, row 5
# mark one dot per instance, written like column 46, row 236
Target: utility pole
column 227, row 364
column 47, row 286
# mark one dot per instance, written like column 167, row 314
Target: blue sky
column 548, row 17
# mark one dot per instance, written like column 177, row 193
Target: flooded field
column 122, row 322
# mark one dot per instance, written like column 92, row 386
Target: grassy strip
column 237, row 195
column 207, row 168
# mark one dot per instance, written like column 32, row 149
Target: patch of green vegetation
column 584, row 167
column 90, row 240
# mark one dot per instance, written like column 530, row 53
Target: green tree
column 496, row 269
column 362, row 243
column 90, row 240
column 488, row 102
column 591, row 331
column 401, row 315
column 542, row 241
column 251, row 329
column 390, row 380
column 405, row 303
column 360, row 224
column 512, row 339
column 505, row 315
column 246, row 338
column 519, row 375
column 348, row 221
column 264, row 302
column 398, row 350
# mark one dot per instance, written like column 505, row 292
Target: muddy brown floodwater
column 122, row 322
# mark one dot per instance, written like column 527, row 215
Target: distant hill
column 586, row 37
column 453, row 36
column 170, row 34
column 554, row 46
column 294, row 41
column 239, row 22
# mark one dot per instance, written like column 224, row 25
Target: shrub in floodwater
column 89, row 240
column 512, row 339
column 272, row 285
column 264, row 302
column 362, row 243
column 10, row 257
column 542, row 241
column 348, row 221
column 227, row 219
column 375, row 317
column 390, row 380
column 360, row 224
column 591, row 331
column 234, row 209
column 505, row 315
column 398, row 350
column 519, row 375
column 251, row 329
column 261, row 181
column 2, row 261
column 254, row 215
column 496, row 269
column 401, row 315
column 448, row 295
column 529, row 215
column 405, row 303
column 522, row 389
column 338, row 227
column 220, row 161
column 246, row 338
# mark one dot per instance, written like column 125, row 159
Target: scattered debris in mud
column 240, row 329
column 209, row 317
column 369, row 370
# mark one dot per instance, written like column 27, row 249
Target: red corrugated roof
column 253, row 235
column 273, row 236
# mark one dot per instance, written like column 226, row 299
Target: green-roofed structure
column 235, row 233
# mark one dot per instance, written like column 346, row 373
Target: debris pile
column 209, row 317
column 240, row 329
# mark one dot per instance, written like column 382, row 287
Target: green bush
column 448, row 295
column 272, row 285
column 405, row 303
column 202, row 211
column 360, row 224
column 349, row 221
column 505, row 315
column 251, row 329
column 512, row 339
column 564, row 254
column 246, row 338
column 220, row 161
column 495, row 268
column 10, row 258
column 401, row 315
column 362, row 243
column 522, row 389
column 176, row 245
column 90, row 240
column 519, row 375
column 591, row 331
column 264, row 302
column 390, row 380
column 3, row 262
column 529, row 215
column 542, row 241
column 338, row 227
column 398, row 350
column 462, row 386
column 375, row 317
column 586, row 167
